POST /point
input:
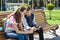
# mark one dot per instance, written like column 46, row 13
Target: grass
column 55, row 16
column 53, row 22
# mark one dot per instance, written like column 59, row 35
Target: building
column 5, row 3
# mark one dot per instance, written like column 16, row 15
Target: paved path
column 49, row 35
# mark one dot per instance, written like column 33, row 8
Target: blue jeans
column 15, row 35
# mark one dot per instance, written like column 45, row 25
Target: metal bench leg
column 54, row 32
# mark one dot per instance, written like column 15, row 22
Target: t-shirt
column 8, row 24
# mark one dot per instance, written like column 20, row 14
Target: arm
column 8, row 16
column 21, row 32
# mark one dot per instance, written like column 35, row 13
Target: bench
column 2, row 16
column 40, row 19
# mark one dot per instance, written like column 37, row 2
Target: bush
column 50, row 6
column 24, row 4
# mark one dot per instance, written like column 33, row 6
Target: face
column 24, row 11
column 27, row 12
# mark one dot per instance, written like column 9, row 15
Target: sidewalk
column 49, row 35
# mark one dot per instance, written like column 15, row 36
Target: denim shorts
column 12, row 34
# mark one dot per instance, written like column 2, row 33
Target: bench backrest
column 40, row 17
column 2, row 16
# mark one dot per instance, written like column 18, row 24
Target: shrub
column 50, row 6
column 24, row 4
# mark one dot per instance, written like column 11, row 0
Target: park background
column 10, row 5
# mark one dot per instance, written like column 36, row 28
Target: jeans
column 15, row 35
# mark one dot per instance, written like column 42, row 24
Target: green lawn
column 55, row 16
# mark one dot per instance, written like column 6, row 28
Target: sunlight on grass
column 53, row 22
column 55, row 16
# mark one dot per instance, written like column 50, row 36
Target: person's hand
column 4, row 19
column 28, row 31
column 38, row 27
column 25, row 32
column 34, row 28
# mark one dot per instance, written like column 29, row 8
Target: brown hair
column 28, row 8
column 18, row 15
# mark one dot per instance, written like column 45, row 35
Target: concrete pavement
column 49, row 36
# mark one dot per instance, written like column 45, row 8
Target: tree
column 50, row 7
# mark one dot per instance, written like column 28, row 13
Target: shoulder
column 32, row 15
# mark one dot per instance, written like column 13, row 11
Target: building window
column 11, row 5
column 14, row 1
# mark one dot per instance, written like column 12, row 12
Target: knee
column 41, row 29
column 21, row 36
